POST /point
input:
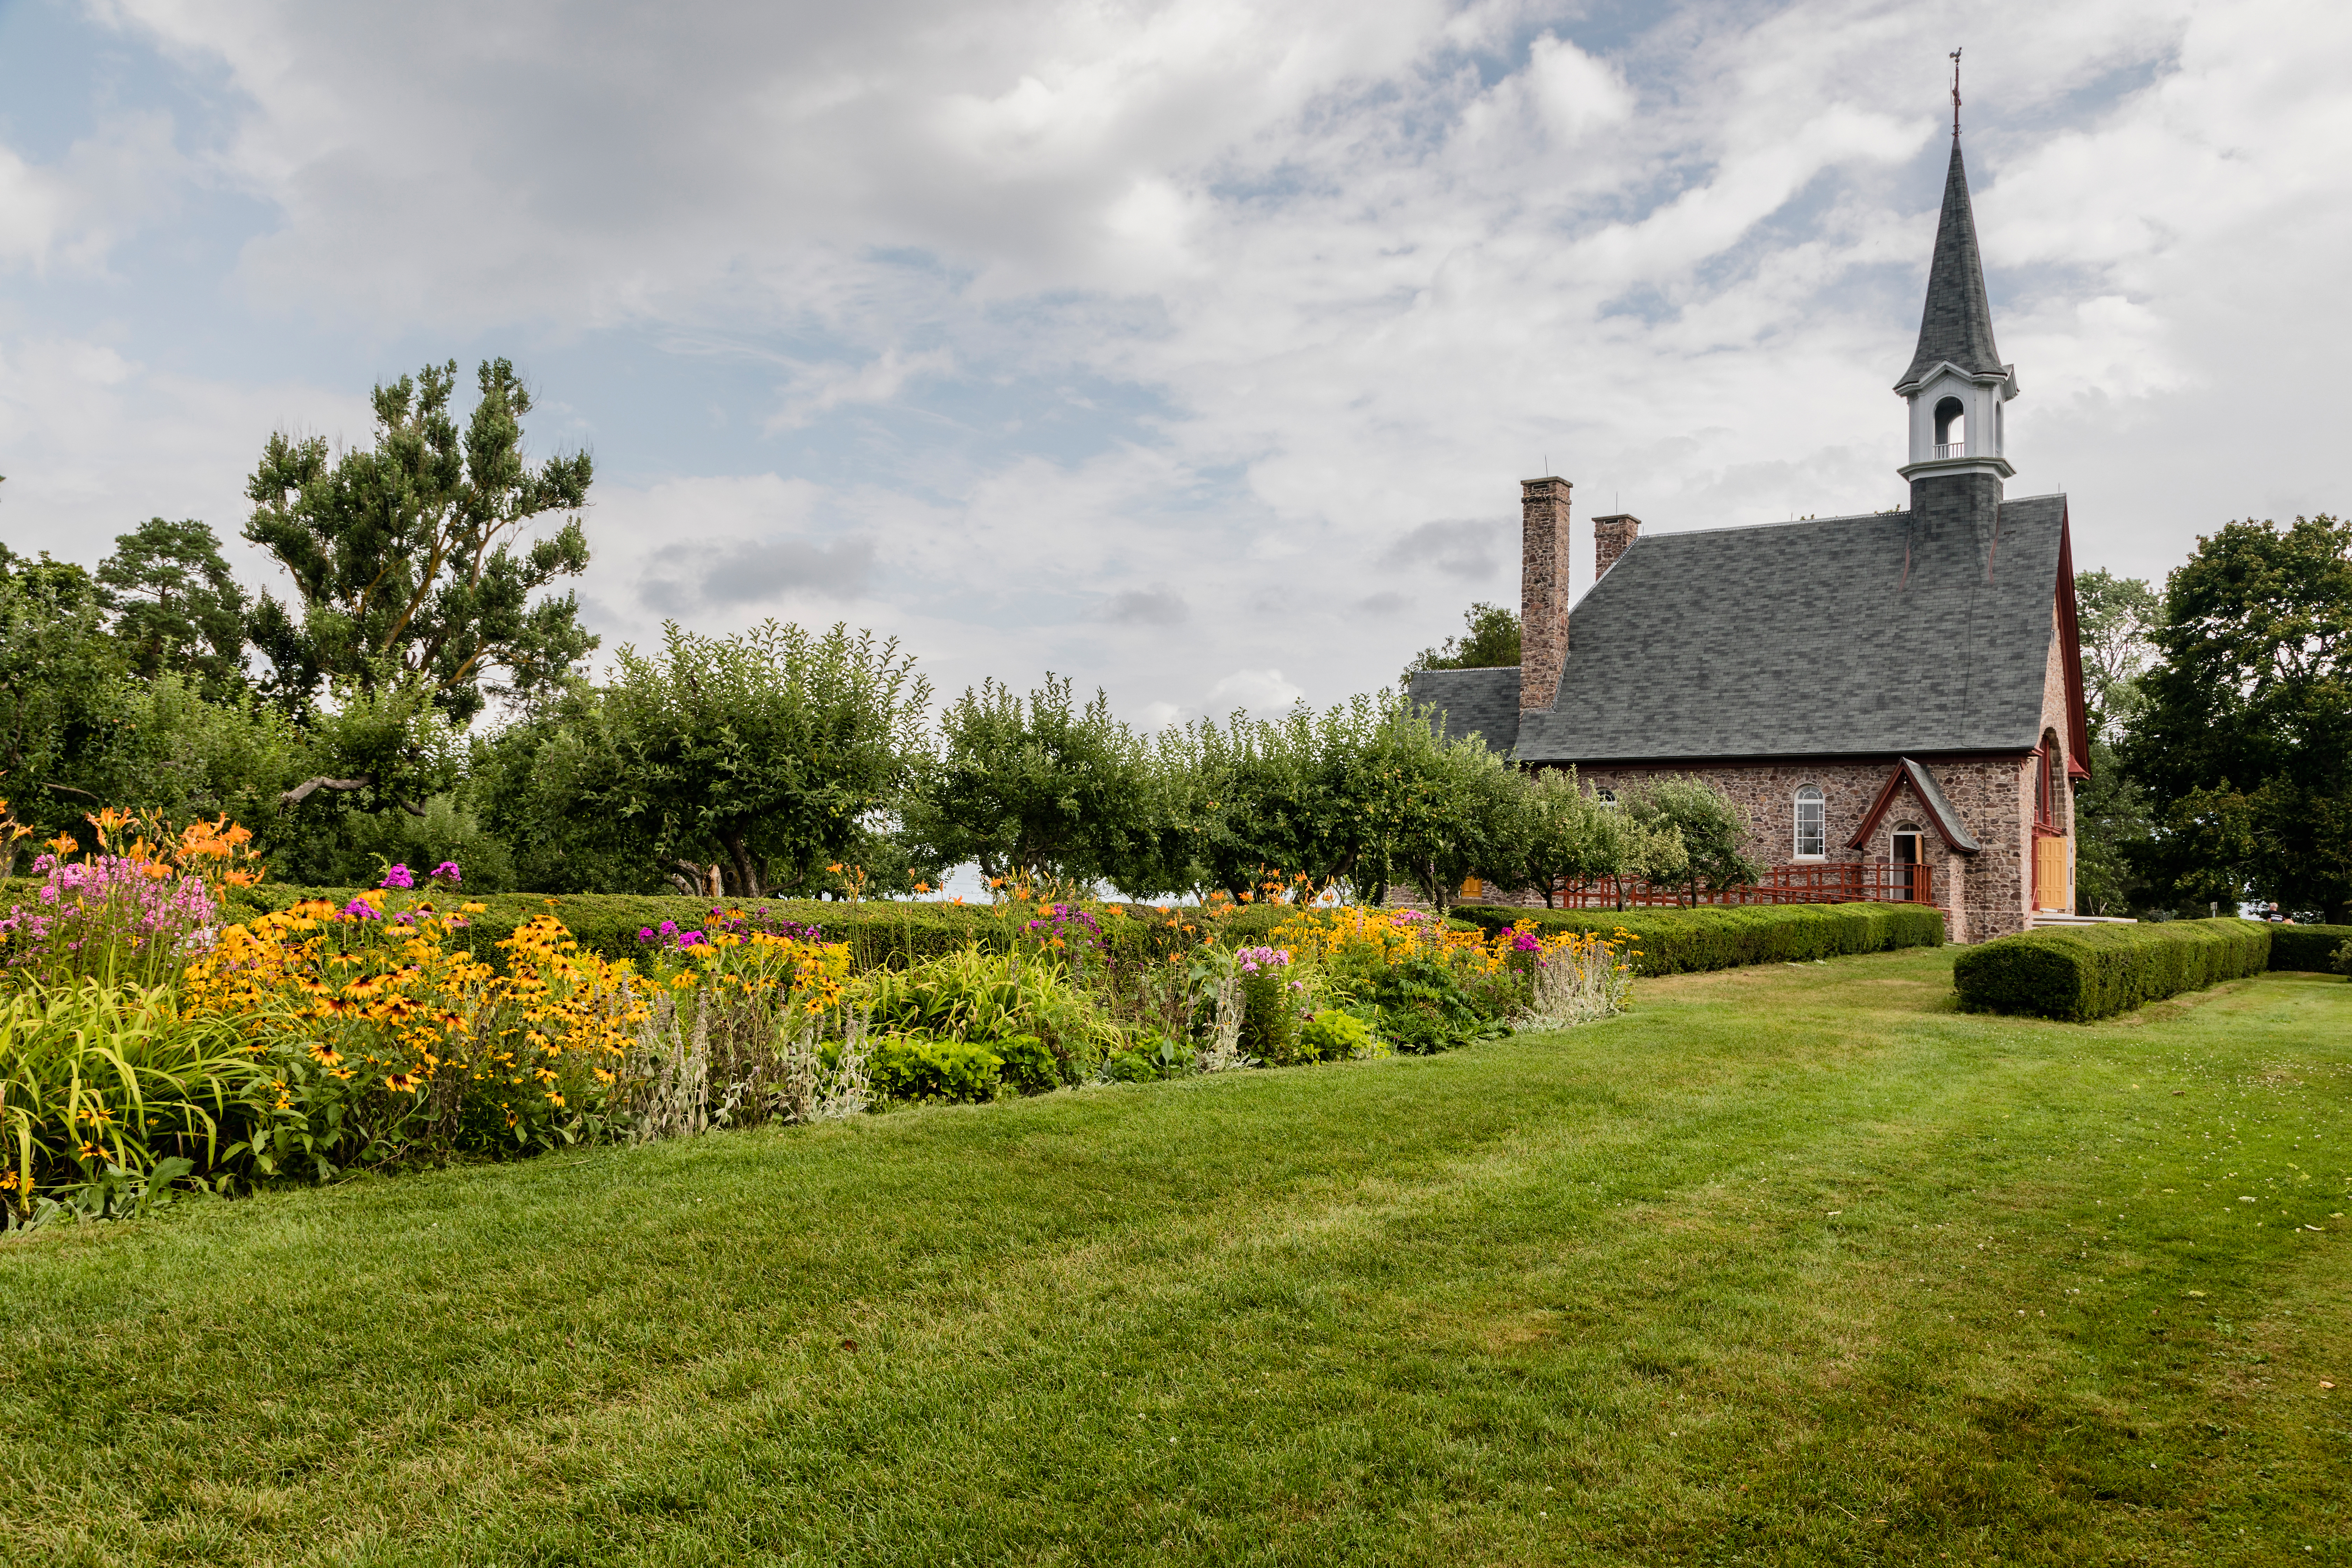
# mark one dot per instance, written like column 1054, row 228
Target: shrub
column 2306, row 947
column 918, row 1068
column 2342, row 964
column 1029, row 1066
column 2080, row 973
column 1270, row 999
column 973, row 993
column 1678, row 942
column 1424, row 1009
column 1332, row 1036
column 99, row 1082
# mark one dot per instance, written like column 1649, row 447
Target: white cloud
column 1164, row 342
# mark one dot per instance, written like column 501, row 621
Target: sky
column 1193, row 350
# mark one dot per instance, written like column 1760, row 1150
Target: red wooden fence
column 1841, row 883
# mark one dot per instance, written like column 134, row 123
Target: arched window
column 1605, row 796
column 2049, row 780
column 1812, row 825
column 1951, row 428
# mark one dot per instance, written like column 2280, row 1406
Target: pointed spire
column 1956, row 324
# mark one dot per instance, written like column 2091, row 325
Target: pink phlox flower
column 398, row 877
column 360, row 910
column 448, row 872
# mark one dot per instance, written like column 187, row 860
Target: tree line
column 421, row 694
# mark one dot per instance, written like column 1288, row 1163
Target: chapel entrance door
column 1906, row 866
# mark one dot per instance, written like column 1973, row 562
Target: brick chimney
column 1543, row 590
column 1610, row 536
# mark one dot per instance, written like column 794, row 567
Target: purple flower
column 669, row 928
column 644, row 933
column 360, row 910
column 1526, row 941
column 690, row 939
column 398, row 877
column 448, row 872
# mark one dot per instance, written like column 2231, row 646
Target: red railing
column 1834, row 883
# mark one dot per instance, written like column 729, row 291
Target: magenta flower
column 360, row 910
column 398, row 877
column 448, row 872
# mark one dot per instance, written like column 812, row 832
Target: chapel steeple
column 1956, row 384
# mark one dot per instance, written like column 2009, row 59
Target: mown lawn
column 1791, row 1266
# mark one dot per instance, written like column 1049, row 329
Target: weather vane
column 1955, row 93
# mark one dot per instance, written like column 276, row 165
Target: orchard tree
column 2243, row 739
column 776, row 754
column 416, row 561
column 1045, row 788
column 1711, row 832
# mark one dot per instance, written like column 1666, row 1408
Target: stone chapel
column 1897, row 691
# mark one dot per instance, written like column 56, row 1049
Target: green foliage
column 176, row 607
column 1681, row 809
column 1029, row 1064
column 921, row 1069
column 2113, row 619
column 2342, row 962
column 772, row 752
column 135, row 1082
column 1364, row 792
column 1046, row 788
column 60, row 690
column 2076, row 974
column 410, row 561
column 177, row 752
column 2110, row 836
column 1680, row 942
column 1333, row 1035
column 1423, row 1007
column 975, row 993
column 2244, row 742
column 1490, row 641
column 2306, row 947
column 1270, row 1017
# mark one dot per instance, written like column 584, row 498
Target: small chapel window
column 1951, row 428
column 1812, row 824
column 1605, row 796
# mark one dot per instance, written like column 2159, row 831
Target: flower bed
column 163, row 1021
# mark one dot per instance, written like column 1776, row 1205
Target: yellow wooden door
column 2050, row 873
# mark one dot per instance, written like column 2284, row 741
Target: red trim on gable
column 1887, row 794
column 2070, row 642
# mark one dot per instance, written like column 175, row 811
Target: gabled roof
column 1956, row 324
column 1841, row 636
column 1941, row 811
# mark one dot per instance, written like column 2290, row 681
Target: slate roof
column 1957, row 322
column 1940, row 810
column 1851, row 636
column 1473, row 701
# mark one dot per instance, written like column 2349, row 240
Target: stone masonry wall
column 1982, row 896
column 1543, row 590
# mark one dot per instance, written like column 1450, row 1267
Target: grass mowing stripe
column 1379, row 1309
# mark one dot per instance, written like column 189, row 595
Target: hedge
column 1678, row 942
column 880, row 932
column 2077, row 974
column 2306, row 947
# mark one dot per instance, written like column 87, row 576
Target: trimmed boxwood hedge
column 881, row 932
column 2306, row 947
column 1677, row 941
column 2077, row 974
